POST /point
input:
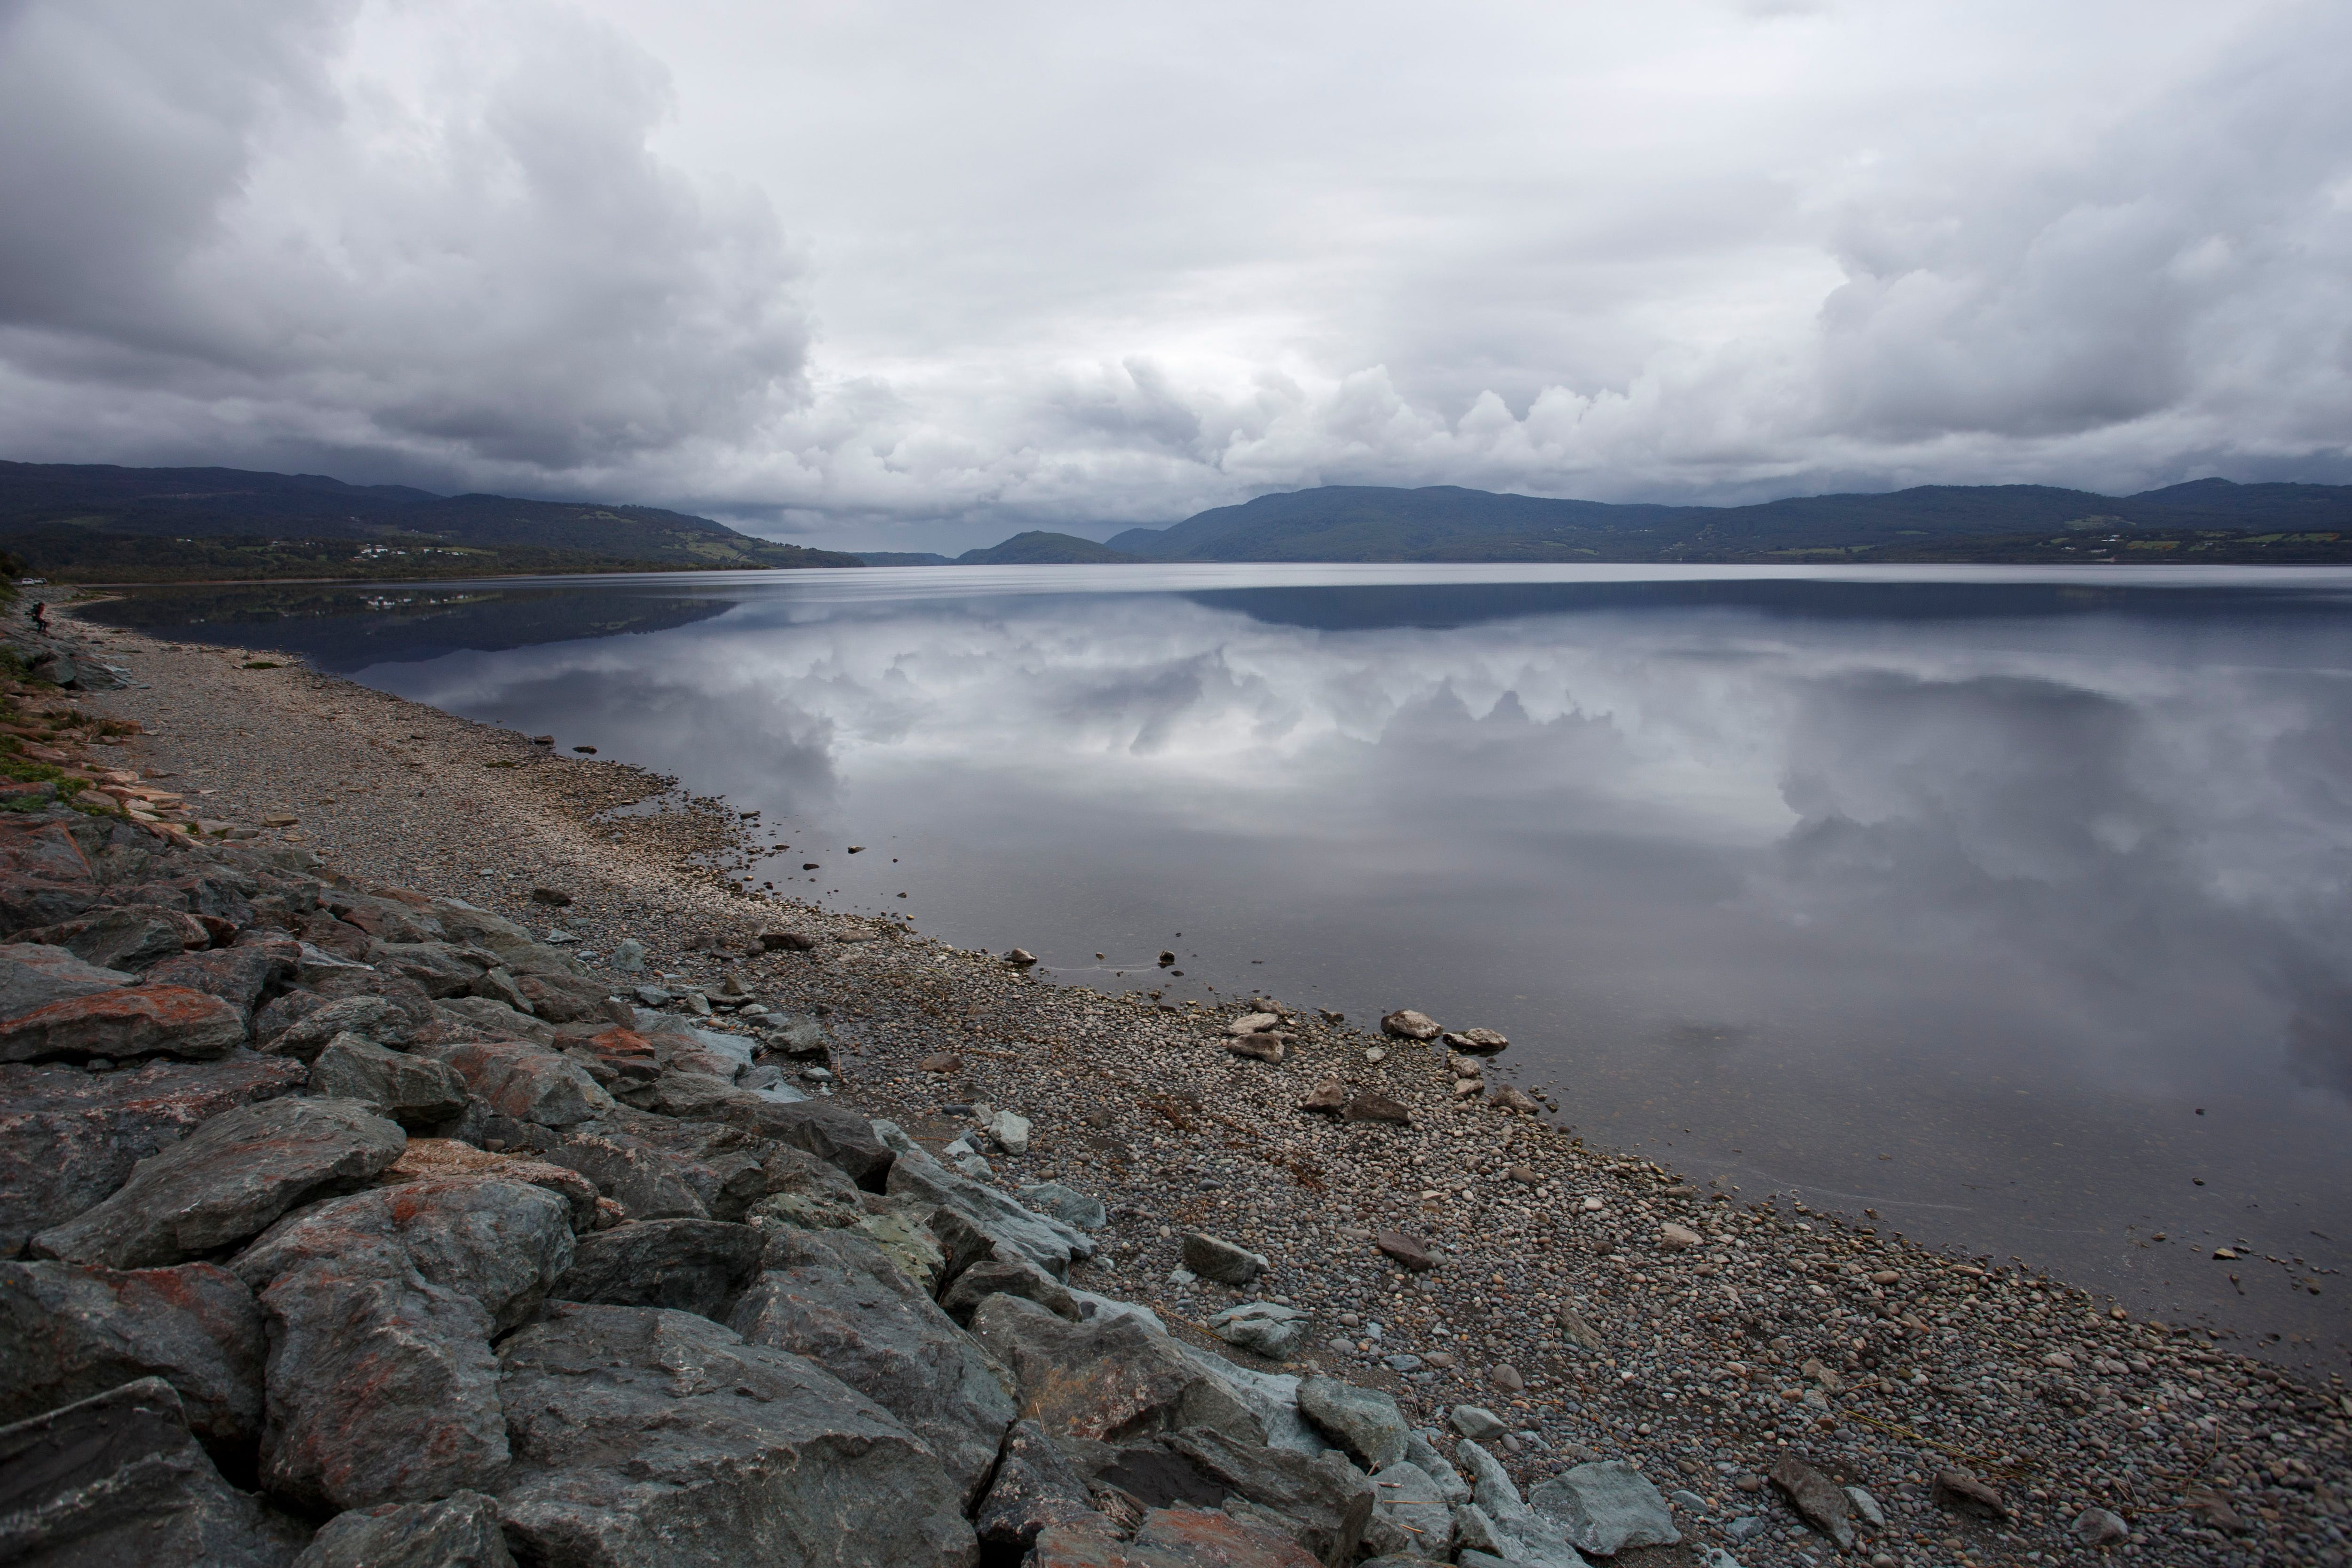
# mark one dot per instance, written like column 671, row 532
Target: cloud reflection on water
column 1998, row 889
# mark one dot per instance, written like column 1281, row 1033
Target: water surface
column 2010, row 905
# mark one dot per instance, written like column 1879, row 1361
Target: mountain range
column 92, row 523
column 2207, row 518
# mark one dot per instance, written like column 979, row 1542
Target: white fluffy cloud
column 919, row 273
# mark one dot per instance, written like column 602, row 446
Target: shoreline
column 1562, row 1266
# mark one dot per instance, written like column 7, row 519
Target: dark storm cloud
column 934, row 271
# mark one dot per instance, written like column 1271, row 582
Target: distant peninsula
column 87, row 522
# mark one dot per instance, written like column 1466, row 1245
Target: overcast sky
column 916, row 276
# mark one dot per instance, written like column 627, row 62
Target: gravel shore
column 1594, row 1305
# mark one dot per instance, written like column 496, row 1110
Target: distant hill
column 902, row 558
column 100, row 522
column 1038, row 547
column 2206, row 519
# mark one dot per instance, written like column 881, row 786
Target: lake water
column 2013, row 906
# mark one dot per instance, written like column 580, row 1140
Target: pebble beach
column 1801, row 1387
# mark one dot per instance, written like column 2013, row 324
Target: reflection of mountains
column 345, row 628
column 1433, row 606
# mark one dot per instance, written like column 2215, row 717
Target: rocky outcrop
column 647, row 1438
column 70, row 1138
column 228, row 1180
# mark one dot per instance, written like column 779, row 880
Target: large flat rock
column 33, row 975
column 70, row 1138
column 130, row 1021
column 648, row 1438
column 228, row 1180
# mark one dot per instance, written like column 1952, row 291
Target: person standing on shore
column 41, row 619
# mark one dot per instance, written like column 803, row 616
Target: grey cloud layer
column 924, row 273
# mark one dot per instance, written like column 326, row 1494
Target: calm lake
column 2014, row 906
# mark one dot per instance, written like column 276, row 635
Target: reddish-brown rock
column 1329, row 1097
column 1368, row 1107
column 1408, row 1251
column 131, row 1021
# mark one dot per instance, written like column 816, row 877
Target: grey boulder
column 642, row 1180
column 1417, row 1504
column 498, row 1242
column 117, row 1481
column 237, row 975
column 646, row 1438
column 1324, row 1502
column 1605, row 1507
column 228, row 1179
column 1476, row 1421
column 370, row 1017
column 1110, row 1380
column 1421, row 1452
column 528, row 1082
column 460, row 1530
column 415, row 1091
column 1267, row 1328
column 382, row 1387
column 1364, row 1420
column 696, row 1265
column 834, row 1297
column 1045, row 1241
column 1498, row 1520
column 70, row 1332
column 1072, row 1207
